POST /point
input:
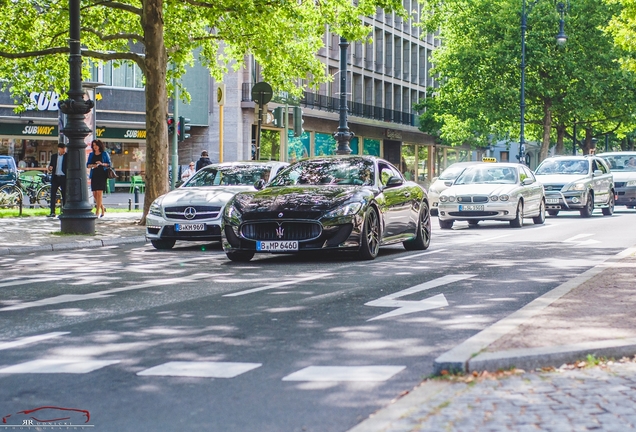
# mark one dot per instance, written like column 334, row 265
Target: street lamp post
column 343, row 135
column 561, row 38
column 77, row 216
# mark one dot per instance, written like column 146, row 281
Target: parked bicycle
column 36, row 187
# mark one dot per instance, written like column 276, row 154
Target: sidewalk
column 39, row 233
column 538, row 369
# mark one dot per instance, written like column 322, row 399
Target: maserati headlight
column 577, row 187
column 232, row 213
column 630, row 183
column 345, row 210
column 155, row 208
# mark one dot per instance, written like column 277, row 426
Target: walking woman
column 98, row 162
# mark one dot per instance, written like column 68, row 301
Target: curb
column 72, row 245
column 470, row 354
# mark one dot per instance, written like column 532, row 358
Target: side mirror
column 526, row 181
column 394, row 181
column 448, row 183
column 597, row 173
column 259, row 184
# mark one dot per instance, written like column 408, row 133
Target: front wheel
column 370, row 243
column 10, row 195
column 540, row 218
column 586, row 211
column 163, row 244
column 609, row 210
column 423, row 239
column 446, row 224
column 517, row 222
column 240, row 256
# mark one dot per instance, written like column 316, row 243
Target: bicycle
column 37, row 188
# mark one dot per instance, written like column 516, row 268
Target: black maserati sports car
column 351, row 203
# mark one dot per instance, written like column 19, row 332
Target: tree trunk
column 559, row 150
column 587, row 143
column 547, row 125
column 156, row 103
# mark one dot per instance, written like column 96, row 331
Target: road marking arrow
column 410, row 306
column 576, row 240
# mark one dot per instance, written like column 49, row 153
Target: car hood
column 215, row 195
column 479, row 189
column 624, row 176
column 560, row 179
column 297, row 198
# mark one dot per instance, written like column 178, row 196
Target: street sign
column 262, row 93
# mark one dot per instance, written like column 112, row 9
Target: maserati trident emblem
column 280, row 215
column 189, row 213
column 280, row 231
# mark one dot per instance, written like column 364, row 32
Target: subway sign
column 48, row 131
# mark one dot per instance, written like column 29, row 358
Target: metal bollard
column 129, row 204
column 136, row 197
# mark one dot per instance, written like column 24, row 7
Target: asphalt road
column 150, row 340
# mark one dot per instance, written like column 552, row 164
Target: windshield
column 452, row 172
column 354, row 171
column 488, row 174
column 233, row 175
column 625, row 162
column 563, row 166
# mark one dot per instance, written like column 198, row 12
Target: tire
column 43, row 197
column 609, row 210
column 473, row 223
column 423, row 239
column 240, row 256
column 540, row 219
column 517, row 222
column 446, row 224
column 553, row 212
column 586, row 211
column 434, row 212
column 14, row 195
column 163, row 244
column 370, row 241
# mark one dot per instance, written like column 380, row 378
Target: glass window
column 233, row 175
column 349, row 171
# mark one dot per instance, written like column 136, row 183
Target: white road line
column 200, row 369
column 410, row 306
column 344, row 373
column 30, row 340
column 29, row 281
column 61, row 365
column 576, row 237
column 69, row 298
column 278, row 285
column 419, row 254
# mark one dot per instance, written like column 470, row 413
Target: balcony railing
column 332, row 104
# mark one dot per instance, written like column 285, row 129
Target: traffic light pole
column 343, row 135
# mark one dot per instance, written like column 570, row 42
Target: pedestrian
column 98, row 162
column 187, row 173
column 57, row 168
column 204, row 160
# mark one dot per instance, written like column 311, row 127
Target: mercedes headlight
column 155, row 208
column 345, row 210
column 630, row 183
column 577, row 187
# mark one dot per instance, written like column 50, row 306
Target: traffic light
column 279, row 117
column 184, row 127
column 298, row 122
column 170, row 121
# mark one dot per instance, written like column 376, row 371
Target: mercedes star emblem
column 280, row 215
column 189, row 213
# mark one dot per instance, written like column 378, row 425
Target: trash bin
column 110, row 186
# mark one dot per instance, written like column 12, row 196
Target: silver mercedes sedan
column 193, row 211
column 493, row 191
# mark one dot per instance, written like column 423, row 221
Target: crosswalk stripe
column 200, row 369
column 30, row 340
column 59, row 365
column 344, row 373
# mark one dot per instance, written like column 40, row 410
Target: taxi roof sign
column 488, row 159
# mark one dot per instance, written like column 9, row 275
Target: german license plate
column 551, row 200
column 471, row 208
column 189, row 227
column 276, row 246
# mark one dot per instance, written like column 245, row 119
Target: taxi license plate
column 551, row 200
column 189, row 227
column 471, row 208
column 276, row 246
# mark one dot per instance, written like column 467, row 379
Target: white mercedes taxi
column 193, row 211
column 493, row 191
